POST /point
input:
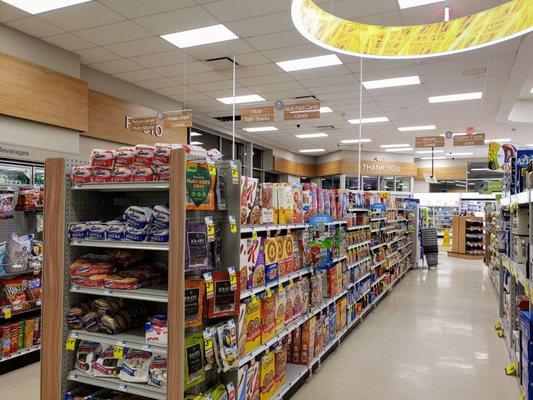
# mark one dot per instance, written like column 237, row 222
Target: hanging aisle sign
column 142, row 124
column 307, row 110
column 177, row 119
column 429, row 141
column 477, row 139
column 257, row 114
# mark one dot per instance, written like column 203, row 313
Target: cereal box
column 296, row 345
column 297, row 203
column 250, row 210
column 281, row 366
column 253, row 381
column 268, row 317
column 285, row 204
column 242, row 379
column 268, row 200
column 308, row 341
column 253, row 324
column 268, row 366
column 242, row 327
column 281, row 297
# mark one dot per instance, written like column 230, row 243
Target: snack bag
column 194, row 360
column 268, row 365
column 225, row 302
column 197, row 249
column 200, row 186
column 85, row 356
column 158, row 372
column 19, row 248
column 227, row 340
column 106, row 365
column 194, row 300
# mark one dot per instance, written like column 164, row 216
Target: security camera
column 338, row 145
column 298, row 125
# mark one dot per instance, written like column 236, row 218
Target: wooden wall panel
column 32, row 92
column 107, row 121
column 329, row 168
column 443, row 173
column 53, row 279
column 294, row 168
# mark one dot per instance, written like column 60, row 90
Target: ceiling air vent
column 325, row 127
column 305, row 97
column 228, row 118
column 221, row 63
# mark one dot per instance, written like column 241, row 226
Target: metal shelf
column 139, row 389
column 123, row 186
column 338, row 259
column 293, row 373
column 343, row 222
column 358, row 209
column 133, row 339
column 356, row 245
column 20, row 353
column 114, row 244
column 265, row 228
column 158, row 293
column 293, row 275
column 357, row 227
column 355, row 264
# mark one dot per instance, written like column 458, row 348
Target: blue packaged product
column 138, row 217
column 523, row 158
column 137, row 235
column 116, row 230
column 79, row 230
column 158, row 235
column 161, row 217
column 98, row 231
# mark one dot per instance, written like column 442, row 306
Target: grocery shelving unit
column 440, row 217
column 468, row 238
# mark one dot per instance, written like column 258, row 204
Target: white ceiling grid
column 121, row 37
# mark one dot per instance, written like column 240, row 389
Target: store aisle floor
column 432, row 337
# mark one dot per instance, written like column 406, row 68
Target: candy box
column 226, row 300
column 268, row 366
column 200, row 186
column 268, row 317
column 253, row 324
column 194, row 300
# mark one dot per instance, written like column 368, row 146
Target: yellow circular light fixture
column 495, row 25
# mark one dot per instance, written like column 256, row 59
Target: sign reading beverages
column 177, row 119
column 307, row 110
column 257, row 114
column 477, row 139
column 429, row 141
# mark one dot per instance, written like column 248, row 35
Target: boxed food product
column 268, row 317
column 281, row 297
column 308, row 341
column 14, row 336
column 194, row 301
column 5, row 337
column 194, row 359
column 297, row 201
column 102, row 158
column 250, row 209
column 253, row 266
column 253, row 382
column 136, row 366
column 227, row 340
column 285, row 204
column 242, row 378
column 225, row 302
column 281, row 366
column 253, row 324
column 156, row 330
column 268, row 201
column 268, row 366
column 86, row 354
column 200, row 186
column 242, row 329
column 297, row 300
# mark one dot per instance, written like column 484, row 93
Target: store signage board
column 477, row 139
column 143, row 124
column 177, row 119
column 429, row 141
column 257, row 114
column 298, row 111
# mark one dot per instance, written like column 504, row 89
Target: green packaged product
column 21, row 335
column 217, row 393
column 194, row 360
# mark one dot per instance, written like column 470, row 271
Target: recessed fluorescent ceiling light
column 196, row 143
column 241, row 99
column 352, row 141
column 400, row 149
column 372, row 120
column 392, row 146
column 529, row 145
column 455, row 134
column 416, row 128
column 311, row 135
column 461, row 153
column 455, row 97
column 311, row 150
column 309, row 62
column 324, row 110
column 392, row 82
column 39, row 6
column 531, row 91
column 430, row 151
column 195, row 134
column 199, row 36
column 433, row 158
column 502, row 140
column 479, row 169
column 261, row 129
column 415, row 3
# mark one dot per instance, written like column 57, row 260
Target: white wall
column 365, row 155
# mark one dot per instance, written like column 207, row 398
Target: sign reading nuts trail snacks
column 257, row 114
column 177, row 119
column 477, row 139
column 307, row 110
column 429, row 141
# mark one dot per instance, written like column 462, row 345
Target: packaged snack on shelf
column 197, row 249
column 102, row 175
column 200, row 186
column 15, row 294
column 116, row 230
column 86, row 354
column 92, row 264
column 253, row 381
column 81, row 174
column 158, row 372
column 138, row 217
column 227, row 340
column 124, row 156
column 255, row 268
column 297, row 200
column 296, row 343
column 106, row 365
column 307, row 341
column 280, row 366
column 144, row 154
column 135, row 234
column 19, row 248
column 30, row 199
column 306, row 294
column 103, row 158
column 14, row 336
column 285, row 204
column 194, row 301
column 142, row 173
column 268, row 365
column 268, row 202
column 5, row 338
column 250, row 214
column 122, row 174
column 253, row 324
column 289, row 300
column 225, row 302
column 158, row 235
column 242, row 379
column 281, row 297
column 242, row 330
column 136, row 366
column 156, row 330
column 268, row 317
column 194, row 359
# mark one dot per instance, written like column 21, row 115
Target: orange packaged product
column 253, row 325
column 308, row 341
column 226, row 301
column 281, row 297
column 289, row 299
column 281, row 366
column 296, row 343
column 194, row 302
column 268, row 317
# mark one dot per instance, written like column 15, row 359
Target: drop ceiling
column 121, row 38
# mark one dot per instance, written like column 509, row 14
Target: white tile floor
column 432, row 337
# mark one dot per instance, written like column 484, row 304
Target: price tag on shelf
column 212, row 169
column 70, row 344
column 269, row 292
column 108, row 292
column 123, row 387
column 254, row 235
column 209, row 285
column 232, row 278
column 234, row 172
column 291, row 283
column 210, row 228
column 232, row 224
column 208, row 343
column 118, row 352
column 6, row 311
column 280, row 288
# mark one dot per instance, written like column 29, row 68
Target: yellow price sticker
column 291, row 283
column 7, row 312
column 235, row 173
column 254, row 235
column 232, row 278
column 233, row 227
column 209, row 285
column 70, row 344
column 211, row 229
column 212, row 169
column 280, row 287
column 208, row 343
column 118, row 352
column 269, row 292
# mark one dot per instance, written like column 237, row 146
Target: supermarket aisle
column 432, row 336
column 21, row 384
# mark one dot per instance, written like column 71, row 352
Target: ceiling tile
column 294, row 52
column 176, row 90
column 162, row 59
column 139, row 75
column 113, row 33
column 156, row 83
column 254, row 58
column 81, row 16
column 35, row 27
column 389, row 19
column 139, row 47
column 221, row 49
column 273, row 40
column 140, row 8
column 190, row 97
column 96, row 55
column 177, row 21
column 69, row 42
column 231, row 10
column 261, row 25
column 265, row 79
column 276, row 87
column 203, row 77
column 212, row 86
column 178, row 70
column 116, row 66
column 254, row 70
column 10, row 13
